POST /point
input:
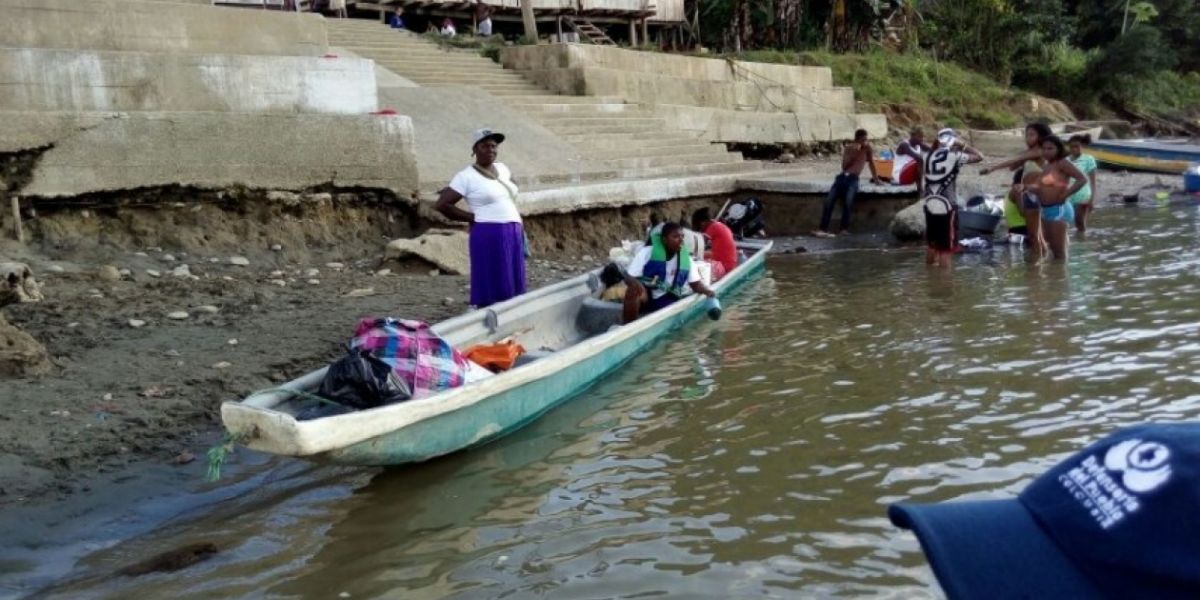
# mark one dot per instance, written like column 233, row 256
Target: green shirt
column 1087, row 165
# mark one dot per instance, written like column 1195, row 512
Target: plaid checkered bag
column 428, row 363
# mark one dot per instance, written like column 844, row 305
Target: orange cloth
column 496, row 357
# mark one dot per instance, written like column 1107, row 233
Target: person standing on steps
column 855, row 156
column 497, row 236
column 338, row 7
column 483, row 19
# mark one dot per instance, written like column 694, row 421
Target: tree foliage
column 1082, row 51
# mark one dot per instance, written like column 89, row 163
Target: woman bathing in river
column 1085, row 199
column 1059, row 181
column 1022, row 219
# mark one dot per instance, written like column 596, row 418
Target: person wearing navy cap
column 1121, row 519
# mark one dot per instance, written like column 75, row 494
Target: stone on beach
column 177, row 315
column 446, row 250
column 108, row 273
column 909, row 224
column 17, row 284
column 20, row 354
column 137, row 323
column 239, row 261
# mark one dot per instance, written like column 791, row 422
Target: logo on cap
column 1143, row 465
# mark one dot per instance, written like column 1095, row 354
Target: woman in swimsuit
column 1059, row 180
column 1027, row 166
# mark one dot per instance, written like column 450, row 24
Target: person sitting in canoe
column 660, row 274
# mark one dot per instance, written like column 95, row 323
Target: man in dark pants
column 856, row 155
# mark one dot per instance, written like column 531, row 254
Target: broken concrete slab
column 82, row 153
column 134, row 25
column 85, row 80
column 445, row 249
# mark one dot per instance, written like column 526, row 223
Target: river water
column 754, row 456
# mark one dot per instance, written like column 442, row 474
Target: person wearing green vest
column 661, row 274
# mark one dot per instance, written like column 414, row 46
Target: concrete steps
column 619, row 141
column 671, row 160
column 689, row 148
column 554, row 110
column 582, row 131
column 550, row 99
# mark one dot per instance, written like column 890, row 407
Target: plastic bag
column 496, row 357
column 360, row 380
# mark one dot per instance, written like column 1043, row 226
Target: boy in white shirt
column 660, row 274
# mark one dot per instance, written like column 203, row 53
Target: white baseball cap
column 485, row 133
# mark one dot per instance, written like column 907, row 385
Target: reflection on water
column 755, row 456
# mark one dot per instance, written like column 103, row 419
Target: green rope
column 217, row 454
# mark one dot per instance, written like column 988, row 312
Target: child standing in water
column 939, row 174
column 1084, row 200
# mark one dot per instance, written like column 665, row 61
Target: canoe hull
column 1148, row 156
column 512, row 408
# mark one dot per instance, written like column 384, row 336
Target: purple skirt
column 497, row 262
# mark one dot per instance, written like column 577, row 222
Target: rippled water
column 756, row 456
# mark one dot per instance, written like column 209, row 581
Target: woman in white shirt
column 497, row 238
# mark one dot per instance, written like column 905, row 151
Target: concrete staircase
column 612, row 135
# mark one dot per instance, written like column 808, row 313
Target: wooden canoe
column 482, row 411
column 1010, row 142
column 1146, row 155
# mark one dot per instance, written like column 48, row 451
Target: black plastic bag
column 359, row 380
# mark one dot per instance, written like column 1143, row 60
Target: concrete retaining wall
column 78, row 80
column 769, row 128
column 84, row 153
column 650, row 88
column 135, row 25
column 563, row 56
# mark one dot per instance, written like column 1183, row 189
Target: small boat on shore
column 1009, row 142
column 566, row 321
column 1159, row 156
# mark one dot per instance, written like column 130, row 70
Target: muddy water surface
column 755, row 456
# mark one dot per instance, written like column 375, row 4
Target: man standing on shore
column 855, row 156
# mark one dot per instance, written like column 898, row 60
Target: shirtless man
column 856, row 155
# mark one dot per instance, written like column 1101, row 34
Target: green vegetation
column 1139, row 59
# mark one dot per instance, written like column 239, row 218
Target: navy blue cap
column 1121, row 519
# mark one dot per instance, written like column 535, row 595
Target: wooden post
column 645, row 32
column 558, row 25
column 633, row 33
column 16, row 213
